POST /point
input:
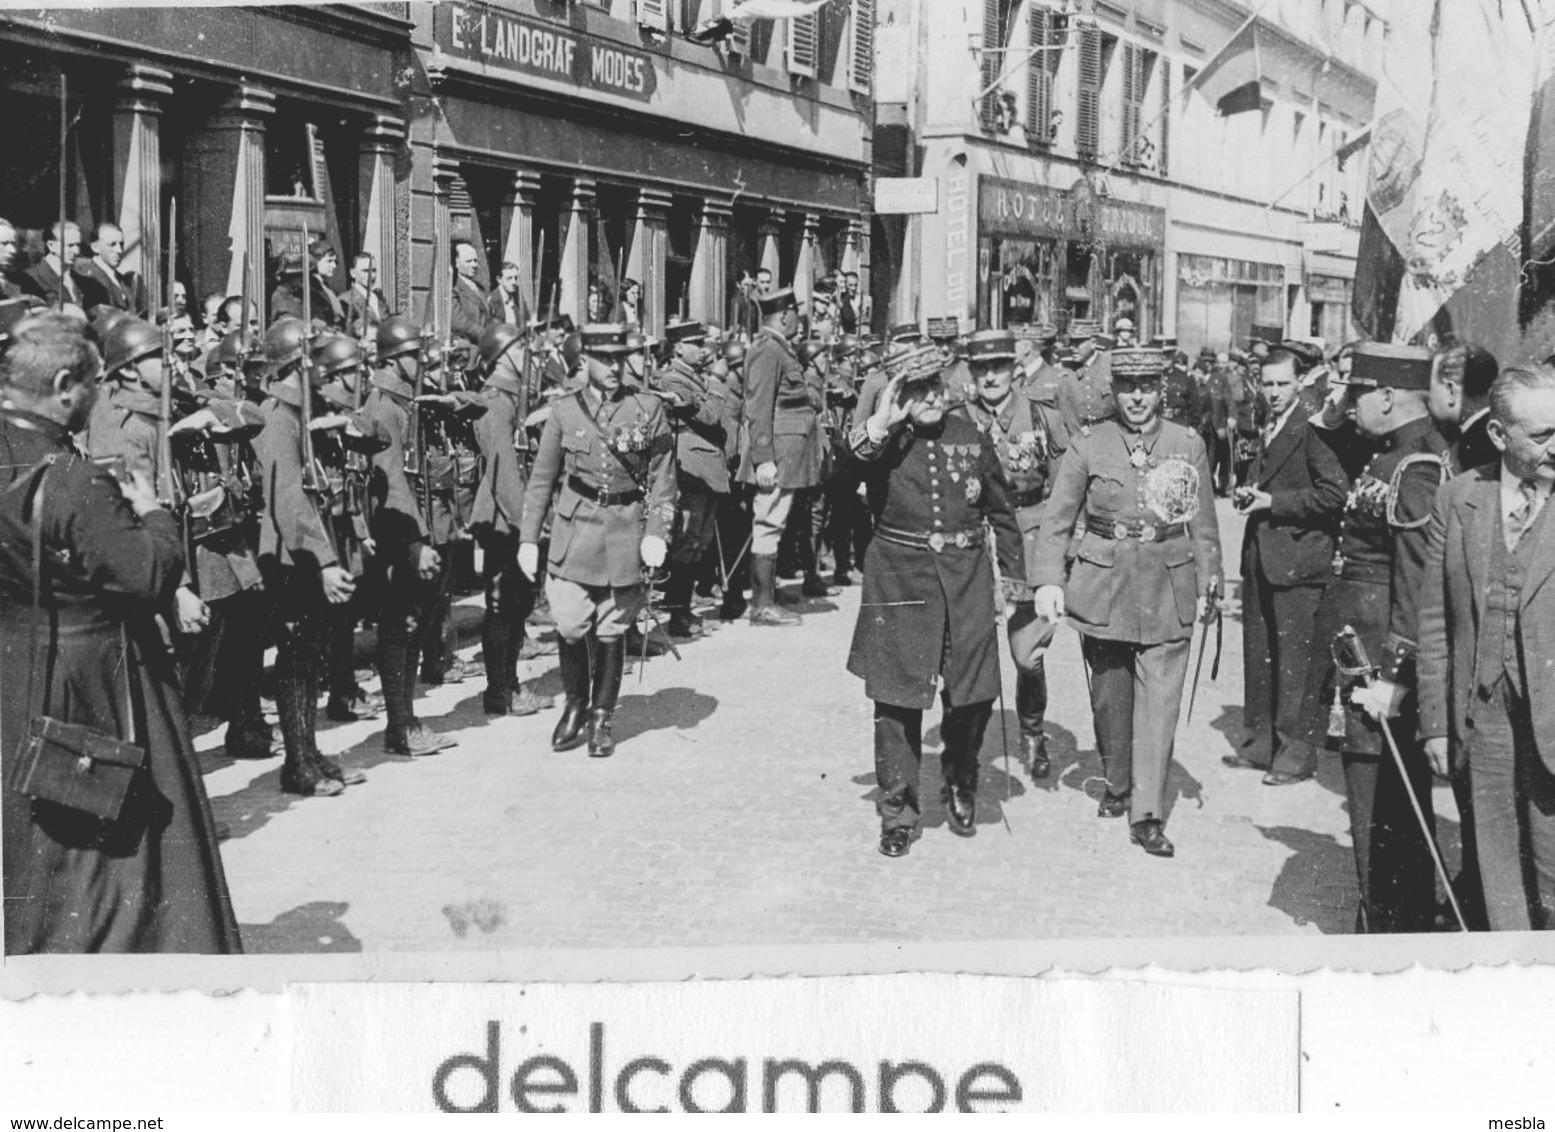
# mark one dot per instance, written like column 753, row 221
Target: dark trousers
column 899, row 755
column 510, row 599
column 802, row 532
column 409, row 606
column 1514, row 812
column 300, row 622
column 733, row 534
column 1276, row 647
column 434, row 637
column 847, row 521
column 1136, row 693
column 1392, row 860
column 1218, row 448
column 222, row 667
column 699, row 507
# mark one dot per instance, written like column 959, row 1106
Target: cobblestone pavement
column 738, row 809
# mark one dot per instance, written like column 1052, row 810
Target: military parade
column 283, row 425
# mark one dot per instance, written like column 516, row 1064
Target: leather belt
column 1031, row 500
column 1144, row 532
column 603, row 498
column 1378, row 573
column 933, row 540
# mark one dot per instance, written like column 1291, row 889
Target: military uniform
column 608, row 458
column 928, row 615
column 1379, row 562
column 1139, row 512
column 1085, row 397
column 1180, row 400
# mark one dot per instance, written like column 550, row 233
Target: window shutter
column 861, row 70
column 654, row 14
column 740, row 41
column 1039, row 77
column 991, row 69
column 1131, row 97
column 804, row 33
column 1088, row 125
column 1166, row 116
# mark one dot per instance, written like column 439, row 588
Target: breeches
column 605, row 611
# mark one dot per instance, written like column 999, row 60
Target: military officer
column 1085, row 395
column 608, row 456
column 928, row 617
column 696, row 401
column 409, row 565
column 805, row 529
column 847, row 522
column 734, row 517
column 780, row 445
column 495, row 519
column 1136, row 493
column 1379, row 564
column 1028, row 439
column 1036, row 375
column 304, row 574
column 1179, row 390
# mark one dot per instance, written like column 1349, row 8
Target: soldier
column 928, row 613
column 1035, row 374
column 1085, row 396
column 304, row 575
column 497, row 515
column 1247, row 413
column 847, row 529
column 1028, row 439
column 802, row 534
column 1179, row 391
column 410, row 568
column 1149, row 548
column 734, row 531
column 780, row 452
column 1379, row 574
column 697, row 404
column 608, row 456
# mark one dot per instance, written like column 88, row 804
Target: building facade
column 1186, row 164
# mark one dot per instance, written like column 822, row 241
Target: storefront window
column 1130, row 279
column 1026, row 283
column 1219, row 300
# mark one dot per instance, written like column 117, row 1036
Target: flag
column 774, row 9
column 1231, row 79
column 1444, row 199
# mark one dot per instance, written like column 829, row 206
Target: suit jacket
column 358, row 312
column 1292, row 544
column 1457, row 564
column 470, row 315
column 497, row 311
column 42, row 280
column 1474, row 447
column 121, row 291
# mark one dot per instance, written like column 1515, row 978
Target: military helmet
column 734, row 352
column 229, row 351
column 128, row 340
column 495, row 341
column 572, row 349
column 810, row 349
column 284, row 343
column 335, row 353
column 397, row 336
column 847, row 345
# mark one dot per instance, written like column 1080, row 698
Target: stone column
column 382, row 140
column 804, row 263
column 519, row 244
column 771, row 258
column 137, row 176
column 709, row 266
column 445, row 180
column 222, row 215
column 650, row 245
column 574, row 298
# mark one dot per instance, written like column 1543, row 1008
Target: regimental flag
column 1442, row 236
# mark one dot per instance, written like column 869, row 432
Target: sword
column 1347, row 645
column 1212, row 615
column 998, row 618
column 656, row 627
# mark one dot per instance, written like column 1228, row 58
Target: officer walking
column 608, row 456
column 1028, row 438
column 1085, row 395
column 1147, row 550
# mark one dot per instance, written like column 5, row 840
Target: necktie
column 1521, row 517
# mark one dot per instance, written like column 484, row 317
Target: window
column 1136, row 148
column 861, row 64
column 1040, row 127
column 804, row 44
column 1088, row 125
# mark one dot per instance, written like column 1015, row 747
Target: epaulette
column 1444, row 472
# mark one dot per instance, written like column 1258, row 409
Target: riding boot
column 1030, row 711
column 764, row 608
column 609, row 663
column 574, row 658
column 683, row 624
column 496, row 638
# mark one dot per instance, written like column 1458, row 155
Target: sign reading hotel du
column 1017, row 208
column 532, row 47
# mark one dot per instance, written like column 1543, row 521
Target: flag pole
column 64, row 151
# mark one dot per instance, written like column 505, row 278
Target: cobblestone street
column 739, row 810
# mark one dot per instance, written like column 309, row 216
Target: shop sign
column 1327, row 289
column 958, row 220
column 497, row 38
column 1013, row 208
column 896, row 196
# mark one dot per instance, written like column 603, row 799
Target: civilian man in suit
column 1293, row 499
column 102, row 284
column 470, row 316
column 364, row 303
column 8, row 289
column 44, row 277
column 1487, row 648
column 1460, row 404
column 506, row 301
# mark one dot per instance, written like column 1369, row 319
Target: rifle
column 534, row 292
column 64, row 151
column 170, row 488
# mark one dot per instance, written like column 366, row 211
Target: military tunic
column 1085, row 396
column 781, row 416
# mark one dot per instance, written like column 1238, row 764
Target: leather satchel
column 70, row 764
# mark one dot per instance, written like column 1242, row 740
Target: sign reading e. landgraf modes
column 503, row 40
column 905, row 1043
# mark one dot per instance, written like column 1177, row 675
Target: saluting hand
column 890, row 410
column 338, row 585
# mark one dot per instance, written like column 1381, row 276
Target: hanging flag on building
column 1232, row 78
column 775, row 9
column 1444, row 200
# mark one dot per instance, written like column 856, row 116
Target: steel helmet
column 809, row 350
column 734, row 352
column 229, row 351
column 495, row 341
column 847, row 344
column 397, row 336
column 335, row 353
column 284, row 343
column 128, row 340
column 572, row 349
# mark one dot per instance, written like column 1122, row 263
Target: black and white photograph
column 566, row 477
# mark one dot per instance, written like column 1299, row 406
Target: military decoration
column 1171, row 489
column 1025, row 451
column 629, row 438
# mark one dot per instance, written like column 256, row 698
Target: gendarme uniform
column 1138, row 508
column 1028, row 437
column 1379, row 562
column 927, row 623
column 608, row 457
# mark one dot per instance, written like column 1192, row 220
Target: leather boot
column 764, row 609
column 682, row 623
column 495, row 636
column 609, row 663
column 297, row 704
column 1030, row 709
column 574, row 657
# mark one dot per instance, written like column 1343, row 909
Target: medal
column 1137, row 457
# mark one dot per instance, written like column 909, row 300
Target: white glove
column 653, row 552
column 328, row 422
column 1049, row 603
column 1380, row 700
column 201, row 420
column 529, row 560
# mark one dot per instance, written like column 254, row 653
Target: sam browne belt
column 603, row 498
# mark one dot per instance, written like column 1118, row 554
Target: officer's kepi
column 1382, row 365
column 606, row 339
column 990, row 348
column 777, row 302
column 1137, row 366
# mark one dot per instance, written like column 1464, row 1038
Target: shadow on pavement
column 680, row 709
column 1306, row 889
column 314, row 927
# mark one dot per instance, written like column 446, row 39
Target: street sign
column 898, row 195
